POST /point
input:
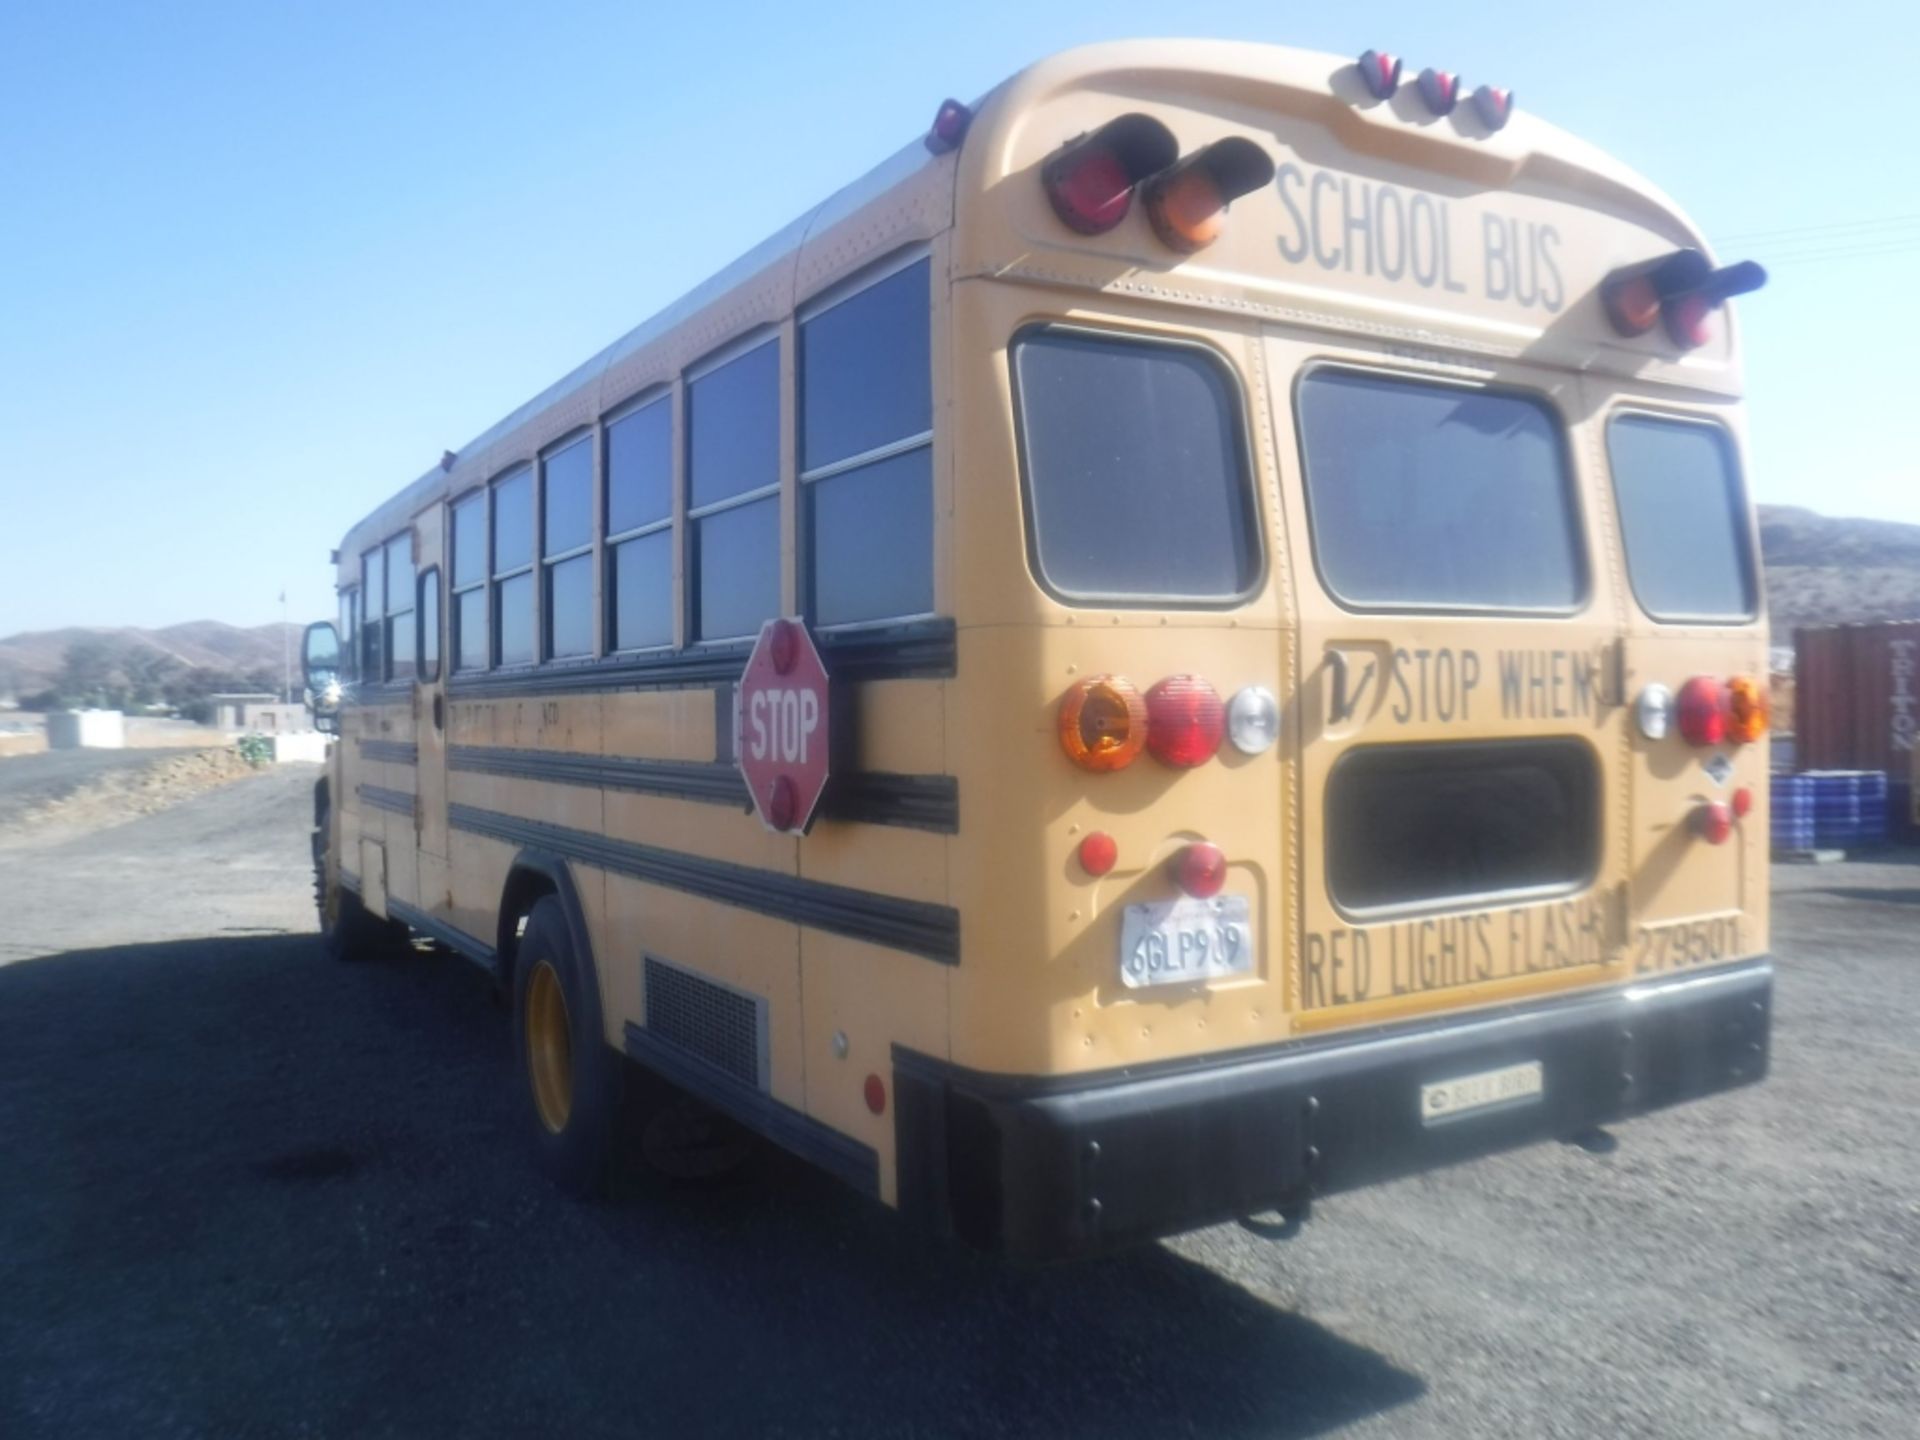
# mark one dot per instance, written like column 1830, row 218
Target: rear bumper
column 1055, row 1167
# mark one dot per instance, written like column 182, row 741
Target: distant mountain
column 30, row 661
column 1827, row 571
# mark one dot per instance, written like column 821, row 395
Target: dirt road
column 243, row 1192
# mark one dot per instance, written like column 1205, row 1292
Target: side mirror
column 320, row 668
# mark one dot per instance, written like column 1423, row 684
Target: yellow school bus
column 1273, row 532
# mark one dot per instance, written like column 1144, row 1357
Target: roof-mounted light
column 1439, row 90
column 1381, row 73
column 949, row 127
column 1090, row 180
column 1494, row 106
column 1681, row 289
column 1187, row 202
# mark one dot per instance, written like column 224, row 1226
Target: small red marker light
column 876, row 1093
column 1381, row 72
column 1493, row 105
column 1742, row 803
column 1712, row 822
column 1098, row 853
column 782, row 803
column 949, row 127
column 1439, row 90
column 1200, row 869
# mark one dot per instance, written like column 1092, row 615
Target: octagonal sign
column 780, row 726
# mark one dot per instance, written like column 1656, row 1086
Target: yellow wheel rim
column 549, row 1048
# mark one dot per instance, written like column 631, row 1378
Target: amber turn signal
column 1103, row 723
column 1187, row 203
column 1746, row 710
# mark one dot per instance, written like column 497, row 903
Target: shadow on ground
column 245, row 1191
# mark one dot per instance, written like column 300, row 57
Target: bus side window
column 513, row 569
column 866, row 452
column 373, row 606
column 428, row 610
column 639, row 450
column 399, row 637
column 469, row 605
column 733, row 493
column 566, row 538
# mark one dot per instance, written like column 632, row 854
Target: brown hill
column 1823, row 570
column 30, row 661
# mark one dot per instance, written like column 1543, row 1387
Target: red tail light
column 1090, row 181
column 1712, row 822
column 1199, row 869
column 1702, row 711
column 1742, row 803
column 1098, row 853
column 1185, row 721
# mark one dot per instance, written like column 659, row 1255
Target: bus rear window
column 1429, row 496
column 1683, row 518
column 1136, row 470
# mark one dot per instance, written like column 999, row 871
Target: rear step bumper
column 1056, row 1167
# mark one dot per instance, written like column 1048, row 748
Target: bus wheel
column 572, row 1083
column 348, row 930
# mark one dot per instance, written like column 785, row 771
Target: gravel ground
column 248, row 1193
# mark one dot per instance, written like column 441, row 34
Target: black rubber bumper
column 1050, row 1168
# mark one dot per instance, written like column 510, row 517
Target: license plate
column 1182, row 941
column 1511, row 1085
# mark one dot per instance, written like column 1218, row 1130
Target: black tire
column 348, row 930
column 558, row 1047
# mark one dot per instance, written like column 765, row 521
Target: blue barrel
column 1791, row 802
column 1849, row 807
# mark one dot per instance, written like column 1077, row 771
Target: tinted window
column 640, row 468
column 470, row 540
column 570, row 608
column 513, row 620
column 871, row 540
column 737, row 557
column 400, row 575
column 642, row 609
column 733, row 427
column 1135, row 468
column 1683, row 517
column 568, row 499
column 429, row 611
column 1424, row 825
column 373, row 572
column 373, row 607
column 1433, row 495
column 349, row 638
column 512, row 522
column 865, row 372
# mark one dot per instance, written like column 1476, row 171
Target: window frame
column 543, row 650
column 658, row 394
column 829, row 299
column 1569, row 476
column 1255, row 514
column 497, row 577
column 736, row 349
column 1750, row 560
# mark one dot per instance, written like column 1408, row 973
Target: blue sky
column 261, row 263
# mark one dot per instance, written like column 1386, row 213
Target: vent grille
column 708, row 1020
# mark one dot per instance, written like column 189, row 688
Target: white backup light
column 1253, row 720
column 1655, row 712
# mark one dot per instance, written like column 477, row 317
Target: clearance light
column 1253, row 720
column 1682, row 289
column 1712, row 822
column 1381, row 72
column 1742, row 803
column 1439, row 90
column 1702, row 711
column 875, row 1094
column 1103, row 723
column 949, row 127
column 1185, row 721
column 1746, row 710
column 1187, row 202
column 1654, row 711
column 1090, row 180
column 1098, row 853
column 1494, row 106
column 1199, row 869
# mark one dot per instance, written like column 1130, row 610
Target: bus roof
column 1250, row 82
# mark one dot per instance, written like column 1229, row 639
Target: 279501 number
column 1685, row 944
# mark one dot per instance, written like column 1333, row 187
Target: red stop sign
column 780, row 725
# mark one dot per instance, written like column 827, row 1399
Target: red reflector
column 1742, row 803
column 876, row 1092
column 1185, row 721
column 1702, row 711
column 1713, row 822
column 1200, row 869
column 1098, row 853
